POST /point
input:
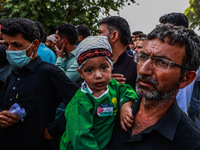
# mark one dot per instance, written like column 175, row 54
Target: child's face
column 97, row 73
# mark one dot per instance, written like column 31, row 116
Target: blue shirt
column 184, row 95
column 46, row 54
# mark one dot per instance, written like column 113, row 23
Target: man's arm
column 72, row 72
column 64, row 90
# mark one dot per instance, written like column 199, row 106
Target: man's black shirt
column 174, row 131
column 125, row 65
column 39, row 87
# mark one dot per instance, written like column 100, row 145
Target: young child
column 90, row 115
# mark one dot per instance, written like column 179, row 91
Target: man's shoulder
column 128, row 57
column 47, row 67
column 187, row 130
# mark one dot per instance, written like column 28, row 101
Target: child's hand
column 126, row 116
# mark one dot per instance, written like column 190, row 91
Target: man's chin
column 150, row 95
column 147, row 92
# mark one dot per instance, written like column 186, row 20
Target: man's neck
column 69, row 49
column 149, row 113
column 117, row 50
column 155, row 108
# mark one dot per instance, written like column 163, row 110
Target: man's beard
column 164, row 93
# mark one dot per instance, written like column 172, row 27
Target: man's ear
column 36, row 44
column 80, row 38
column 188, row 77
column 114, row 36
column 64, row 41
column 80, row 72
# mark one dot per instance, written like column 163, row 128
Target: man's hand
column 126, row 116
column 119, row 78
column 47, row 135
column 8, row 119
column 59, row 52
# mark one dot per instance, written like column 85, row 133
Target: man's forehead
column 156, row 47
column 150, row 45
column 14, row 37
column 18, row 38
column 103, row 26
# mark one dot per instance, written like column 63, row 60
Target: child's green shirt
column 90, row 120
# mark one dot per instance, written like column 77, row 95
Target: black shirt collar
column 167, row 124
column 32, row 66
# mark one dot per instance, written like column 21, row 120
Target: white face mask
column 18, row 58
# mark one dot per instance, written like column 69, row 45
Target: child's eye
column 88, row 70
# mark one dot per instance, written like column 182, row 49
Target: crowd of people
column 71, row 90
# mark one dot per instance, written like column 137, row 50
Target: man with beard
column 167, row 63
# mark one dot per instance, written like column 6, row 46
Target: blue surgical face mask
column 18, row 58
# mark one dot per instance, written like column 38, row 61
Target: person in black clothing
column 5, row 67
column 83, row 32
column 34, row 85
column 136, row 35
column 167, row 63
column 118, row 32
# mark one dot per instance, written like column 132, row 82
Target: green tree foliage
column 53, row 12
column 193, row 14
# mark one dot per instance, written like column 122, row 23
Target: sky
column 145, row 16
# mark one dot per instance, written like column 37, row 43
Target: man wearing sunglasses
column 167, row 63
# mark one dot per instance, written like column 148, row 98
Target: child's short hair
column 93, row 46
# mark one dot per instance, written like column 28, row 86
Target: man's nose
column 146, row 68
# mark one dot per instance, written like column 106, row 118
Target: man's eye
column 104, row 67
column 143, row 57
column 162, row 62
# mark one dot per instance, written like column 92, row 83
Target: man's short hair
column 178, row 19
column 68, row 31
column 83, row 30
column 26, row 27
column 42, row 32
column 183, row 36
column 120, row 25
column 137, row 32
